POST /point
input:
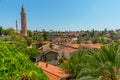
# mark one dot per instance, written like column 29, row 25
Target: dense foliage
column 9, row 31
column 33, row 53
column 74, row 65
column 100, row 40
column 16, row 66
column 96, row 65
column 22, row 43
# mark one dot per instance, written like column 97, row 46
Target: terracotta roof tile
column 53, row 72
column 76, row 46
column 93, row 46
column 68, row 50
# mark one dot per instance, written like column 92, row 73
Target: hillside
column 16, row 66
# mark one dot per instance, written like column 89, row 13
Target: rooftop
column 75, row 46
column 68, row 50
column 93, row 46
column 53, row 72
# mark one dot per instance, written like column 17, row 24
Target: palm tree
column 95, row 65
column 106, row 62
column 74, row 65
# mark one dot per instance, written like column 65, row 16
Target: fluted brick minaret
column 23, row 22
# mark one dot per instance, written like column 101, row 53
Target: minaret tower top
column 16, row 26
column 23, row 10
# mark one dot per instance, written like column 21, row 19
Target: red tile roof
column 68, row 50
column 92, row 46
column 53, row 72
column 76, row 46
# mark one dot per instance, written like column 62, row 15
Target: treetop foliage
column 16, row 66
column 95, row 65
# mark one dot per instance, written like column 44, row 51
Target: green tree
column 5, row 32
column 96, row 40
column 75, row 64
column 10, row 31
column 29, row 33
column 95, row 65
column 1, row 30
column 107, row 62
column 104, row 41
column 79, row 40
column 33, row 53
column 38, row 37
column 19, row 42
column 45, row 35
column 29, row 40
column 16, row 66
column 92, row 34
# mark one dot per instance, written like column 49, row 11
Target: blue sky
column 62, row 14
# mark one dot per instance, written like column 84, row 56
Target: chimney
column 46, row 65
